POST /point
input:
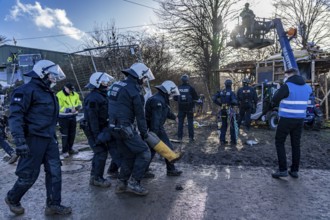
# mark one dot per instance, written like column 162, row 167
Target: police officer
column 96, row 115
column 200, row 104
column 116, row 157
column 70, row 104
column 247, row 20
column 32, row 121
column 126, row 103
column 292, row 97
column 157, row 110
column 247, row 100
column 4, row 144
column 186, row 101
column 226, row 98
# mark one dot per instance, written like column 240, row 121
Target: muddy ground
column 210, row 189
column 315, row 146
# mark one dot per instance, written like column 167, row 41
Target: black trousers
column 190, row 118
column 292, row 127
column 99, row 160
column 42, row 151
column 68, row 132
column 245, row 114
column 136, row 157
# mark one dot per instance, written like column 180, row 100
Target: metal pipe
column 75, row 76
column 90, row 53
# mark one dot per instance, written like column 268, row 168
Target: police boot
column 91, row 180
column 57, row 210
column 135, row 187
column 223, row 142
column 279, row 174
column 73, row 151
column 113, row 171
column 100, row 182
column 174, row 172
column 149, row 175
column 121, row 186
column 15, row 208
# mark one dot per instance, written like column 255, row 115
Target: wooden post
column 313, row 74
column 326, row 98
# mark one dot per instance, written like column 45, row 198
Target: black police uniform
column 126, row 105
column 186, row 101
column 247, row 99
column 33, row 118
column 157, row 111
column 227, row 99
column 96, row 115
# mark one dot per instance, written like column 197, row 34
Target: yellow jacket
column 68, row 102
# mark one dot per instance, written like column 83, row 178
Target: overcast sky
column 65, row 22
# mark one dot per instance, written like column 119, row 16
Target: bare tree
column 311, row 16
column 121, row 50
column 155, row 52
column 197, row 29
column 2, row 39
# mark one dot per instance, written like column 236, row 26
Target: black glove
column 144, row 136
column 104, row 136
column 23, row 151
column 272, row 105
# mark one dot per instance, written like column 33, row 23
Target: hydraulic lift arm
column 288, row 57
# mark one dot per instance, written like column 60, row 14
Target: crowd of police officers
column 246, row 99
column 117, row 120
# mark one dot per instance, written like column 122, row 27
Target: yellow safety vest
column 68, row 101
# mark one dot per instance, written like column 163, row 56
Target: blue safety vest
column 295, row 105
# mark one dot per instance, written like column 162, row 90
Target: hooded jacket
column 293, row 97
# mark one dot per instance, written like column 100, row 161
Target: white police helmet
column 100, row 78
column 169, row 88
column 48, row 68
column 139, row 71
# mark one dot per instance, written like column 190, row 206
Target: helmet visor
column 55, row 72
column 148, row 74
column 174, row 91
column 171, row 88
column 105, row 80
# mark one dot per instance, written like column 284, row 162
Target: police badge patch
column 18, row 97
